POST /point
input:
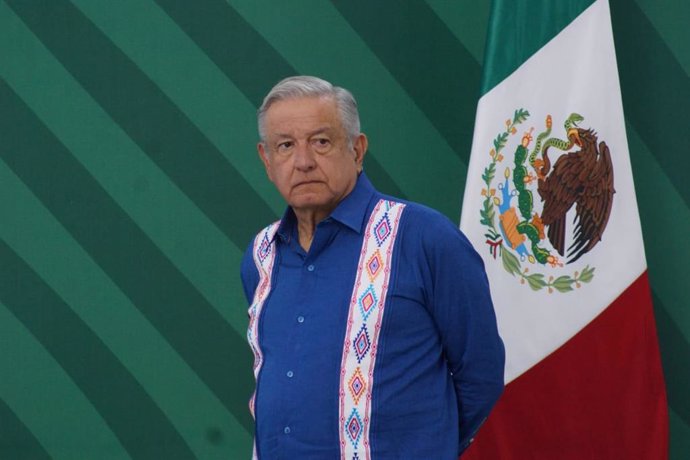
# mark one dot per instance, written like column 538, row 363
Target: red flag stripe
column 605, row 383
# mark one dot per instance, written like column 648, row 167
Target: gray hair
column 305, row 86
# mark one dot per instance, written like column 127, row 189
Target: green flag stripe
column 122, row 402
column 384, row 106
column 509, row 46
column 148, row 117
column 192, row 242
column 38, row 390
column 657, row 111
column 425, row 58
column 675, row 356
column 217, row 29
column 199, row 334
column 15, row 435
column 40, row 241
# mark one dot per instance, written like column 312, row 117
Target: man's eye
column 322, row 144
column 284, row 146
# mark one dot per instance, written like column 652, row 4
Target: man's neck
column 306, row 225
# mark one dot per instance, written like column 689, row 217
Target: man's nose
column 304, row 157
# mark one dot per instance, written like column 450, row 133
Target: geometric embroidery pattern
column 354, row 427
column 361, row 343
column 382, row 230
column 367, row 302
column 264, row 257
column 264, row 248
column 367, row 306
column 356, row 385
column 374, row 265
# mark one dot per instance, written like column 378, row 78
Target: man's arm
column 464, row 314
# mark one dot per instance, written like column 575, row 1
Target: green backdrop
column 129, row 188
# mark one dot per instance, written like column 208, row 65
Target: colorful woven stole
column 363, row 326
column 264, row 256
column 264, row 252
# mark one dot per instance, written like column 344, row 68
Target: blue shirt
column 439, row 362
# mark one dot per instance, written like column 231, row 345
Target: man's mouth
column 306, row 182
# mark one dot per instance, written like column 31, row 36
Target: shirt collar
column 351, row 211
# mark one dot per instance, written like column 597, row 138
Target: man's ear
column 359, row 145
column 261, row 148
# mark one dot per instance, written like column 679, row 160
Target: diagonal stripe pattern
column 418, row 61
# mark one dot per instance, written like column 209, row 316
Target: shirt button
column 286, row 430
column 310, row 268
column 290, row 374
column 300, row 319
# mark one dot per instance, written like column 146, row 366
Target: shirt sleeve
column 464, row 314
column 249, row 274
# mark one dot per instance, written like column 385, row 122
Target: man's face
column 307, row 155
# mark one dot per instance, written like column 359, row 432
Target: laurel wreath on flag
column 511, row 263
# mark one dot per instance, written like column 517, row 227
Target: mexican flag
column 550, row 205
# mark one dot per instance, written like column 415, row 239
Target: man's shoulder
column 428, row 227
column 424, row 218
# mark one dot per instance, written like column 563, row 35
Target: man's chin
column 307, row 201
column 311, row 202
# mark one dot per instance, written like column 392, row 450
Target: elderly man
column 371, row 322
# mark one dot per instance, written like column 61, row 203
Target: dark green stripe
column 246, row 58
column 517, row 30
column 467, row 20
column 160, row 129
column 675, row 356
column 665, row 222
column 384, row 182
column 232, row 44
column 16, row 439
column 170, row 302
column 671, row 19
column 658, row 111
column 133, row 416
column 435, row 69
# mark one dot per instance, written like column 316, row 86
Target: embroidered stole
column 363, row 326
column 364, row 320
column 264, row 256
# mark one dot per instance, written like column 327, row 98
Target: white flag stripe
column 575, row 72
